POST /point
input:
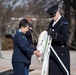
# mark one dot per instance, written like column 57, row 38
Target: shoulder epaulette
column 65, row 22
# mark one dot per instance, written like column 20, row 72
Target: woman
column 22, row 50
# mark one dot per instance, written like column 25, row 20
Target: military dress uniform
column 60, row 35
column 29, row 37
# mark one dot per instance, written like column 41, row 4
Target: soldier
column 59, row 31
column 29, row 35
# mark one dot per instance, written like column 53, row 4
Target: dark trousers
column 20, row 68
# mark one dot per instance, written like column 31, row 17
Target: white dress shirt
column 56, row 21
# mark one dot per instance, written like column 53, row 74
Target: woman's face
column 25, row 29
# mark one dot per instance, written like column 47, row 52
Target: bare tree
column 7, row 10
column 38, row 9
column 5, row 14
column 70, row 14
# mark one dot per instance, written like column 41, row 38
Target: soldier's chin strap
column 58, row 56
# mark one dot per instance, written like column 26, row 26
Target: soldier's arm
column 63, row 35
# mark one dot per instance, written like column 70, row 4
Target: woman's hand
column 37, row 53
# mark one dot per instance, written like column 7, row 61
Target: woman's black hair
column 23, row 23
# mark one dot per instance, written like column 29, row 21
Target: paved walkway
column 35, row 68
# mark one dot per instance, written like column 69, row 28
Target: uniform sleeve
column 64, row 33
column 25, row 46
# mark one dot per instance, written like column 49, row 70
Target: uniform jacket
column 22, row 49
column 59, row 39
column 29, row 37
